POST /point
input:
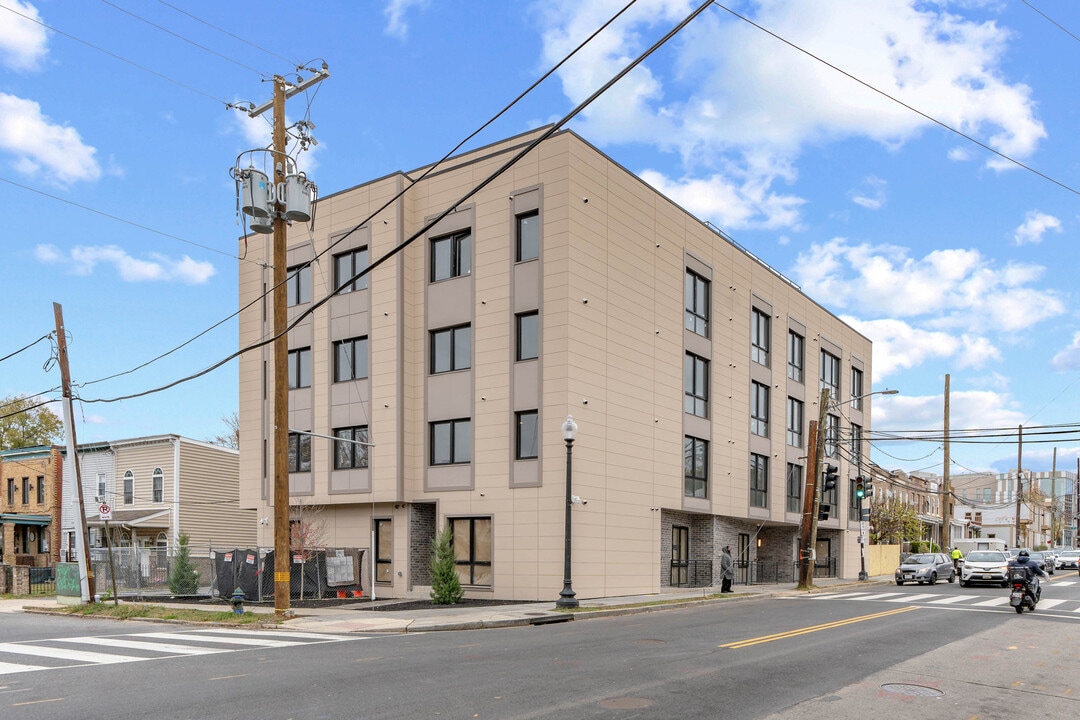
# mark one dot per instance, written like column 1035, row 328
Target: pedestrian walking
column 957, row 556
column 727, row 570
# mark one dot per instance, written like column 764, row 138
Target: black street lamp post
column 568, row 598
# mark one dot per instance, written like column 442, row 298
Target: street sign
column 105, row 511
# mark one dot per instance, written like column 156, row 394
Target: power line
column 23, row 349
column 226, row 32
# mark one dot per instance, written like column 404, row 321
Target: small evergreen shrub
column 184, row 578
column 445, row 583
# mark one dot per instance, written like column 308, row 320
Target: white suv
column 985, row 566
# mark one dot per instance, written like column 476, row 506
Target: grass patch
column 127, row 611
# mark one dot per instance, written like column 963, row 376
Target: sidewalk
column 368, row 618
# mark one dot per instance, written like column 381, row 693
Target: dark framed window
column 830, row 375
column 795, row 484
column 695, row 467
column 696, row 291
column 26, row 491
column 759, row 480
column 696, row 385
column 472, row 543
column 129, row 487
column 527, row 332
column 41, row 489
column 349, row 453
column 794, row 422
column 759, row 409
column 527, row 434
column 759, row 337
column 451, row 442
column 856, row 445
column 11, row 491
column 346, row 267
column 832, row 434
column 384, row 550
column 451, row 256
column 298, row 285
column 451, row 349
column 528, row 236
column 856, row 388
column 299, row 369
column 299, row 452
column 853, row 501
column 796, row 355
column 159, row 485
column 350, row 359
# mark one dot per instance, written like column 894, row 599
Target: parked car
column 1069, row 559
column 985, row 566
column 1046, row 563
column 925, row 568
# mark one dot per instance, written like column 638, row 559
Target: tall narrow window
column 298, row 285
column 695, row 467
column 11, row 491
column 451, row 349
column 299, row 452
column 832, row 434
column 528, row 335
column 26, row 491
column 794, row 422
column 451, row 442
column 759, row 337
column 856, row 388
column 696, row 385
column 759, row 480
column 347, row 266
column 351, row 450
column 472, row 542
column 794, row 488
column 696, row 293
column 830, row 375
column 129, row 487
column 759, row 409
column 384, row 550
column 527, row 435
column 856, row 446
column 796, row 355
column 350, row 359
column 40, row 485
column 451, row 256
column 528, row 236
column 159, row 485
column 101, row 488
column 299, row 369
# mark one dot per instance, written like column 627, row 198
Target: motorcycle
column 1024, row 594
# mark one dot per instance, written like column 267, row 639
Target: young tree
column 184, row 578
column 26, row 422
column 892, row 521
column 231, row 437
column 445, row 583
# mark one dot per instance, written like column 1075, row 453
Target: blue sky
column 846, row 144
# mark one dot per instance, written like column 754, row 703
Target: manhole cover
column 626, row 703
column 904, row 689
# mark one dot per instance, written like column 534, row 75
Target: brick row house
column 30, row 506
column 567, row 286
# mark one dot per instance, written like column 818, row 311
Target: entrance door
column 824, row 563
column 680, row 556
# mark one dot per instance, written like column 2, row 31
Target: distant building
column 986, row 504
column 30, row 506
column 567, row 286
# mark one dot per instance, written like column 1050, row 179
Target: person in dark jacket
column 727, row 570
column 1034, row 572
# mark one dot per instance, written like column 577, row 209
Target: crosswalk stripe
column 273, row 634
column 140, row 645
column 913, row 598
column 1004, row 600
column 6, row 668
column 882, row 596
column 64, row 653
column 226, row 639
column 950, row 600
column 1064, row 583
column 1047, row 604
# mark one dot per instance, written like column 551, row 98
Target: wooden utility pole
column 1019, row 481
column 946, row 489
column 812, row 502
column 82, row 550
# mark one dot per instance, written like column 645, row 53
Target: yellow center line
column 737, row 644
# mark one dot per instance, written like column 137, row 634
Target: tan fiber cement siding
column 209, row 497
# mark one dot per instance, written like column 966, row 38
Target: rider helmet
column 1025, row 553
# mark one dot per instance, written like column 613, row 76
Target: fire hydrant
column 237, row 601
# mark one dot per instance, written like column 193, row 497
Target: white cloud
column 1068, row 358
column 395, row 11
column 43, row 148
column 1035, row 226
column 872, row 196
column 967, row 409
column 22, row 41
column 82, row 260
column 749, row 204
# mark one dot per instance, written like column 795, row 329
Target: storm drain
column 916, row 690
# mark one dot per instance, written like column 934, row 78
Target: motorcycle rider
column 1034, row 572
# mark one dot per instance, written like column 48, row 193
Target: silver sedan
column 925, row 568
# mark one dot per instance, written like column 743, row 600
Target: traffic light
column 860, row 488
column 823, row 512
column 832, row 474
column 868, row 486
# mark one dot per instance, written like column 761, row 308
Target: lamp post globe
column 567, row 597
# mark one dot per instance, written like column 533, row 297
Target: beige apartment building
column 565, row 286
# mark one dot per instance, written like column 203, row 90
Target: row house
column 30, row 506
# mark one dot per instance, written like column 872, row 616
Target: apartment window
column 695, row 467
column 696, row 385
column 348, row 451
column 794, row 488
column 856, row 388
column 129, row 487
column 299, row 452
column 759, row 337
column 528, row 335
column 11, row 491
column 451, row 442
column 384, row 550
column 830, row 375
column 101, row 487
column 346, row 267
column 26, row 491
column 40, row 489
column 853, row 501
column 350, row 359
column 759, row 409
column 528, row 236
column 158, row 485
column 451, row 256
column 696, row 290
column 471, row 539
column 298, row 285
column 794, row 422
column 451, row 349
column 796, row 355
column 299, row 368
column 832, row 434
column 856, row 445
column 527, row 435
column 759, row 480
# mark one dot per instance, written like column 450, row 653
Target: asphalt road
column 938, row 652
